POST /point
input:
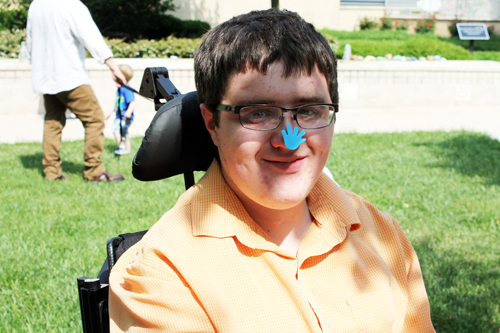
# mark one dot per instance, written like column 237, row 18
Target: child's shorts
column 126, row 124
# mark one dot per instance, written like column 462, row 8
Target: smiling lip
column 287, row 165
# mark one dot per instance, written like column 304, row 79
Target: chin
column 283, row 198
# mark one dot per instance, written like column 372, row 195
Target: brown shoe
column 61, row 177
column 105, row 177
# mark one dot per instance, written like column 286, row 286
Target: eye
column 309, row 112
column 254, row 115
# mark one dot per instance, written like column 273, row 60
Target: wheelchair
column 175, row 143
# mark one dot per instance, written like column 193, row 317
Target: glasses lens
column 260, row 117
column 315, row 116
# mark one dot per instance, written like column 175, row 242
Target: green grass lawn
column 443, row 188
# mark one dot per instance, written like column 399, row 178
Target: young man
column 265, row 242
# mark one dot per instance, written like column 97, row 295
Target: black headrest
column 176, row 141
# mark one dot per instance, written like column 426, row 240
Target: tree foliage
column 132, row 18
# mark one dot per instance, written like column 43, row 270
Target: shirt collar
column 217, row 211
column 331, row 208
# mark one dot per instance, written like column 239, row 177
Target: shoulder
column 376, row 222
column 377, row 225
column 129, row 94
column 173, row 230
column 363, row 206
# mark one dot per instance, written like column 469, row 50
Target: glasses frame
column 237, row 108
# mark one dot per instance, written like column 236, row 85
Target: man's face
column 256, row 164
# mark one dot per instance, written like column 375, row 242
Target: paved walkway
column 15, row 129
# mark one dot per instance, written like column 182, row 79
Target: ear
column 208, row 118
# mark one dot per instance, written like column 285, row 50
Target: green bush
column 181, row 47
column 10, row 43
column 193, row 29
column 401, row 43
column 132, row 18
column 487, row 55
column 372, row 35
column 426, row 25
column 168, row 25
column 418, row 47
column 374, row 48
column 142, row 19
column 402, row 25
column 421, row 47
column 386, row 23
column 13, row 19
column 367, row 23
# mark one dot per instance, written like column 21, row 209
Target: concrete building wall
column 391, row 84
column 216, row 11
column 348, row 17
column 322, row 13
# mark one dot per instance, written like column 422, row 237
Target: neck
column 286, row 227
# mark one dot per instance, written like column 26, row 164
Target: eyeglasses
column 264, row 117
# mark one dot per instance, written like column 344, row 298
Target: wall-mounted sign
column 473, row 31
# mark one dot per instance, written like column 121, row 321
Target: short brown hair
column 255, row 41
column 126, row 71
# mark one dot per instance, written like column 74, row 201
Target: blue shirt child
column 124, row 97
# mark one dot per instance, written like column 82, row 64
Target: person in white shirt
column 57, row 34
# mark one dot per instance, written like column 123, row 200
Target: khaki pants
column 83, row 103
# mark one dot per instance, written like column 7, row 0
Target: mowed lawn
column 443, row 188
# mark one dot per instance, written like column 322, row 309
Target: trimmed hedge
column 487, row 55
column 422, row 47
column 13, row 19
column 181, row 47
column 10, row 43
column 185, row 47
column 367, row 47
column 418, row 47
column 372, row 35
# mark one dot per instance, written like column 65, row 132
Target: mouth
column 286, row 164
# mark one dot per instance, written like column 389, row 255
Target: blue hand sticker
column 293, row 140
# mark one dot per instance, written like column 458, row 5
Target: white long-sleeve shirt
column 57, row 34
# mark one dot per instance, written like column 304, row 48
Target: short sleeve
column 128, row 95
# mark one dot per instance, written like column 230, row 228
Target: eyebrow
column 302, row 100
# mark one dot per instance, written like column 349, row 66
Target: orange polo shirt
column 206, row 266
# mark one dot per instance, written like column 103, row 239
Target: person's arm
column 109, row 114
column 86, row 31
column 130, row 110
column 115, row 71
column 29, row 41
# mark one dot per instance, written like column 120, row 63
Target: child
column 124, row 110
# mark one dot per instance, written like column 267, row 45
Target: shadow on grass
column 34, row 161
column 110, row 146
column 471, row 154
column 456, row 306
